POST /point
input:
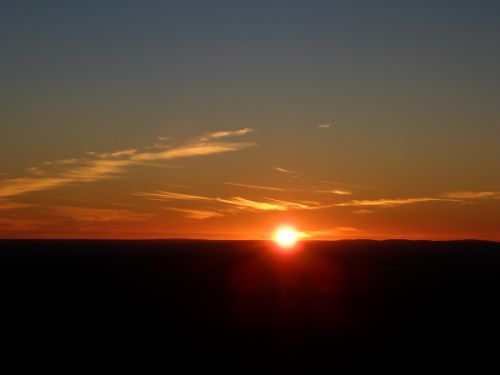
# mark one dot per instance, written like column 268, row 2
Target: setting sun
column 286, row 237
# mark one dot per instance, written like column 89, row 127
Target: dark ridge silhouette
column 237, row 306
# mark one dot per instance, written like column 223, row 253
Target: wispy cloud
column 192, row 149
column 7, row 205
column 272, row 188
column 309, row 205
column 35, row 171
column 225, row 134
column 241, row 203
column 443, row 197
column 270, row 204
column 337, row 192
column 235, row 201
column 387, row 202
column 162, row 142
column 471, row 194
column 87, row 171
column 97, row 166
column 283, row 170
column 65, row 161
column 362, row 212
column 324, row 126
column 95, row 170
column 99, row 214
column 17, row 186
column 168, row 195
column 254, row 205
column 107, row 155
column 196, row 214
column 258, row 187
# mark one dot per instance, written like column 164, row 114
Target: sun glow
column 286, row 237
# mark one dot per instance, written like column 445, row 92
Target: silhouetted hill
column 352, row 306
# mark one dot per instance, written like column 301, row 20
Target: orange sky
column 201, row 188
column 227, row 119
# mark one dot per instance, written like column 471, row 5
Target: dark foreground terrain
column 346, row 307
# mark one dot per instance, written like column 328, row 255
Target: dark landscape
column 344, row 306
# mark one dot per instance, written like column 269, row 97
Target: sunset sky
column 226, row 119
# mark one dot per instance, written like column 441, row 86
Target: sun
column 286, row 237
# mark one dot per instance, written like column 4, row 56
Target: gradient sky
column 224, row 119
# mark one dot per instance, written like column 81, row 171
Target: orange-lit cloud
column 196, row 214
column 258, row 187
column 362, row 212
column 95, row 170
column 63, row 161
column 192, row 149
column 99, row 214
column 7, row 205
column 225, row 134
column 111, row 155
column 240, row 203
column 53, row 174
column 306, row 190
column 388, row 202
column 471, row 194
column 444, row 197
column 283, row 170
column 168, row 195
column 324, row 126
column 267, row 204
column 299, row 205
column 337, row 192
column 255, row 205
column 273, row 204
column 17, row 186
column 162, row 142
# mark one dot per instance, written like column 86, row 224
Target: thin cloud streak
column 241, row 203
column 283, row 170
column 167, row 195
column 324, row 126
column 92, row 214
column 444, row 197
column 362, row 212
column 472, row 194
column 7, row 205
column 107, row 165
column 258, row 187
column 309, row 190
column 18, row 186
column 269, row 204
column 388, row 202
column 196, row 214
column 272, row 204
column 297, row 205
column 226, row 133
column 337, row 192
column 254, row 205
column 195, row 149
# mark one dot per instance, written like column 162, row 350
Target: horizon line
column 247, row 240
